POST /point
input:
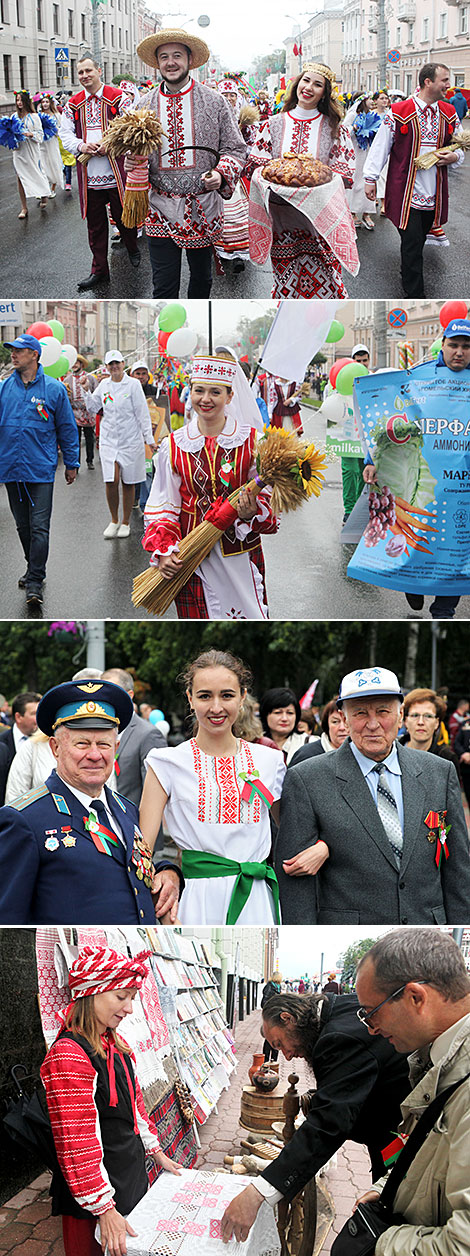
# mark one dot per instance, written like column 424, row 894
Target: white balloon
column 71, row 354
column 51, row 350
column 333, row 408
column 181, row 343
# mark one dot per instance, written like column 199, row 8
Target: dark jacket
column 7, row 754
column 309, row 751
column 360, row 1081
column 444, row 752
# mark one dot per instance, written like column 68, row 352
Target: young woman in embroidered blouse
column 218, row 819
column 98, row 1117
column 209, row 457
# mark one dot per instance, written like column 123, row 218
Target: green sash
column 197, row 865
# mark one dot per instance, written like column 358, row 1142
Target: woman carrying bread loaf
column 303, row 263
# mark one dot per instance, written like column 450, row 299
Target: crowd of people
column 345, row 820
column 207, row 191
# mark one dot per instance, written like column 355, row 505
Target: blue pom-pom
column 366, row 127
column 49, row 125
column 11, row 132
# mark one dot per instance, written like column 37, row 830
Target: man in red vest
column 101, row 182
column 415, row 200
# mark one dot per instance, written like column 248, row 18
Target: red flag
column 295, row 50
column 308, row 696
column 300, row 50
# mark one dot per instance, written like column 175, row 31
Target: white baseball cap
column 113, row 355
column 140, row 366
column 359, row 349
column 365, row 682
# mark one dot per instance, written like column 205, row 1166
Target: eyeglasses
column 366, row 1017
column 425, row 716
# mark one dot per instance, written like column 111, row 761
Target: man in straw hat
column 71, row 851
column 199, row 162
column 386, row 822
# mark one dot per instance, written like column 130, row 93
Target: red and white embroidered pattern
column 300, row 138
column 52, row 999
column 304, row 267
column 70, row 1082
column 219, row 787
column 176, row 114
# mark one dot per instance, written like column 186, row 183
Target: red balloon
column 335, row 370
column 451, row 310
column 163, row 338
column 39, row 329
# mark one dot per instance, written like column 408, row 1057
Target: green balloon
column 346, row 376
column 58, row 330
column 335, row 333
column 436, row 346
column 171, row 318
column 61, row 367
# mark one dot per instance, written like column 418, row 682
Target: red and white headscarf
column 98, row 969
column 216, row 370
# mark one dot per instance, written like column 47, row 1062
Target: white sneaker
column 52, row 195
column 111, row 530
column 123, row 529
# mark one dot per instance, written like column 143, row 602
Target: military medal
column 437, row 820
column 69, row 840
column 51, row 843
column 142, row 860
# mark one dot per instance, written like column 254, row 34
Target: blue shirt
column 391, row 777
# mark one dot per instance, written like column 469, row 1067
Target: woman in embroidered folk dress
column 210, row 456
column 51, row 159
column 303, row 263
column 32, row 180
column 101, row 1129
column 216, row 791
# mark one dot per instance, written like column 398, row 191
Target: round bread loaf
column 297, row 170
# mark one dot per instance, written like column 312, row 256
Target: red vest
column 402, row 170
column 109, row 102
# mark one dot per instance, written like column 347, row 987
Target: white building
column 321, row 39
column 418, row 30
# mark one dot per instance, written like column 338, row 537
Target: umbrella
column 28, row 1123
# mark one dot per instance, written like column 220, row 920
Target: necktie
column 387, row 809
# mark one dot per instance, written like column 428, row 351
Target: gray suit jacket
column 134, row 744
column 327, row 797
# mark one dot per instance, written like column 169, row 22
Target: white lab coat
column 124, row 428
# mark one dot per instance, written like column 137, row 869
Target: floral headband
column 317, row 68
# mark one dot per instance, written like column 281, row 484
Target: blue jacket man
column 71, row 851
column 36, row 420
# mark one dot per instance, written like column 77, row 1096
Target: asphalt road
column 48, row 253
column 91, row 578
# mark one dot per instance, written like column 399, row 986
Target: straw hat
column 147, row 49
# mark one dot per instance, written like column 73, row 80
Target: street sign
column 11, row 313
column 397, row 317
column 61, row 56
column 393, row 56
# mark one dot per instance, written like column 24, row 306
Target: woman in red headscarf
column 100, row 1125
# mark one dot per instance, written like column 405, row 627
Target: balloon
column 58, row 330
column 39, row 330
column 451, row 310
column 163, row 727
column 335, row 333
column 347, row 375
column 335, row 369
column 182, row 342
column 163, row 338
column 59, row 368
column 50, row 351
column 436, row 346
column 333, row 408
column 71, row 354
column 155, row 716
column 172, row 317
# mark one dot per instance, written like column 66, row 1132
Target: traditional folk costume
column 101, row 1129
column 201, row 134
column 234, row 241
column 75, row 385
column 27, row 157
column 101, row 181
column 124, row 428
column 415, row 200
column 283, row 402
column 304, row 263
column 225, row 839
column 193, row 470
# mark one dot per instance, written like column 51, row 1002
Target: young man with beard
column 199, row 162
column 360, row 1084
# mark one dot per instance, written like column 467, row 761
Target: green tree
column 272, row 63
column 349, row 962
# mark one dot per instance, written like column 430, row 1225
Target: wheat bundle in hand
column 294, row 472
column 135, row 134
column 431, row 159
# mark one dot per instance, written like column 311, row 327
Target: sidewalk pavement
column 27, row 1228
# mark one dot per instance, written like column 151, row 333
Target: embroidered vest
column 201, row 484
column 402, row 171
column 109, row 109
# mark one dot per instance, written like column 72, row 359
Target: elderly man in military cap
column 373, row 833
column 71, row 851
column 200, row 161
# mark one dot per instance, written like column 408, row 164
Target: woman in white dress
column 216, row 791
column 125, row 429
column 51, row 160
column 32, row 181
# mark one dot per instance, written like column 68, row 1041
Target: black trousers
column 89, row 438
column 166, row 257
column 413, row 238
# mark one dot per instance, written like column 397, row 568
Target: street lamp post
column 95, row 29
column 381, row 42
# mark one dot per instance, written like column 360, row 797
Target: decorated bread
column 297, row 170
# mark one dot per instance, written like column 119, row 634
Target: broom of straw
column 137, row 133
column 430, row 159
column 292, row 468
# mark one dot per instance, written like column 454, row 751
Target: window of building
column 112, row 36
column 120, row 37
column 19, row 12
column 398, row 38
column 103, row 31
column 39, row 15
column 23, row 83
column 396, row 81
column 127, row 39
column 411, row 33
column 83, row 27
column 443, row 26
column 113, row 67
column 55, row 19
column 42, row 70
column 408, row 85
column 7, row 73
column 70, row 23
column 463, row 20
column 73, row 69
column 4, row 11
column 425, row 34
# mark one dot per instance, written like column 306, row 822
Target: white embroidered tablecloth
column 181, row 1216
column 324, row 207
